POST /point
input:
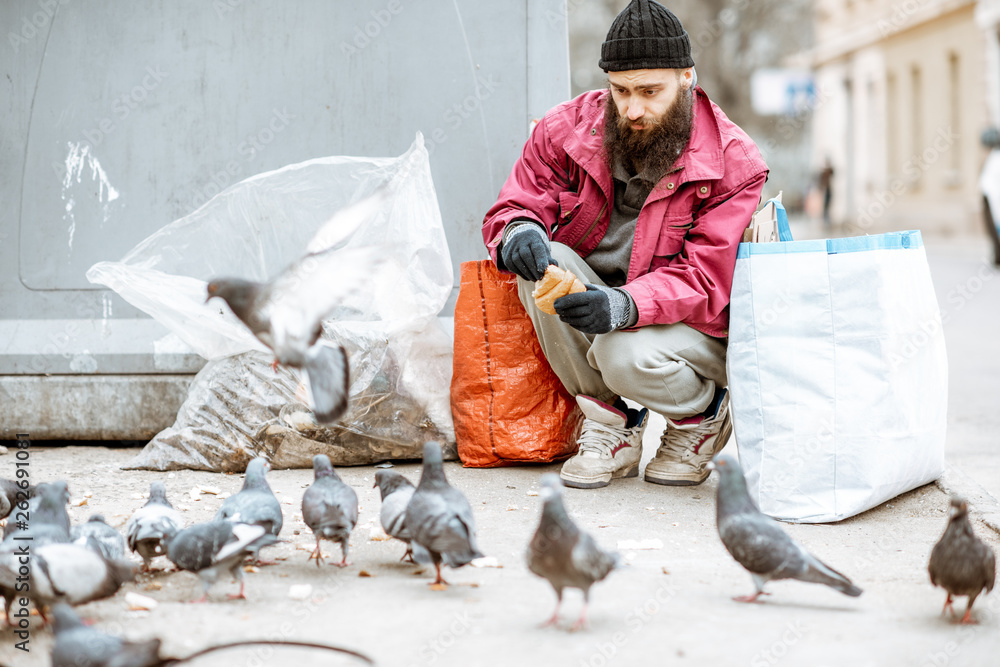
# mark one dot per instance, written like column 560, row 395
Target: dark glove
column 526, row 252
column 596, row 311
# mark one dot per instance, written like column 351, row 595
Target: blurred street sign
column 778, row 92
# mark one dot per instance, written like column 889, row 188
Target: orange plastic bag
column 508, row 405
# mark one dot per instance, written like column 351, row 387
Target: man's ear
column 688, row 78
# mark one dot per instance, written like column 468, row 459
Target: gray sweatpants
column 671, row 369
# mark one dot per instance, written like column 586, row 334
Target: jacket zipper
column 592, row 225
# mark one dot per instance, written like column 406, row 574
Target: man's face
column 647, row 119
column 644, row 96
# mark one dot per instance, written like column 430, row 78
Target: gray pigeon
column 144, row 529
column 563, row 554
column 255, row 504
column 76, row 645
column 46, row 507
column 66, row 572
column 109, row 540
column 961, row 563
column 212, row 548
column 329, row 508
column 396, row 492
column 11, row 493
column 45, row 526
column 439, row 518
column 757, row 542
column 287, row 312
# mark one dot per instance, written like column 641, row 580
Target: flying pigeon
column 212, row 548
column 76, row 645
column 396, row 492
column 562, row 553
column 329, row 508
column 67, row 572
column 109, row 540
column 961, row 563
column 757, row 542
column 439, row 518
column 144, row 529
column 287, row 312
column 255, row 503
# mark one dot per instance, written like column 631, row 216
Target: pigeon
column 211, row 548
column 287, row 312
column 563, row 554
column 329, row 508
column 11, row 493
column 439, row 518
column 44, row 526
column 396, row 492
column 255, row 503
column 46, row 507
column 961, row 563
column 67, row 572
column 76, row 645
column 109, row 541
column 143, row 529
column 757, row 542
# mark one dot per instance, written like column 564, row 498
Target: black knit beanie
column 646, row 35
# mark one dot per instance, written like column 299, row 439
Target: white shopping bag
column 837, row 372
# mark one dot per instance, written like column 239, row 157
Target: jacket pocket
column 569, row 206
column 671, row 239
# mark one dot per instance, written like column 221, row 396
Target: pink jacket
column 684, row 250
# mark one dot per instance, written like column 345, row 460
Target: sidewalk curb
column 985, row 507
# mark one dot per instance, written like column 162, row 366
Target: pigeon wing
column 307, row 292
column 590, row 562
column 758, row 545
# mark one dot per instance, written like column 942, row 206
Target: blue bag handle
column 784, row 231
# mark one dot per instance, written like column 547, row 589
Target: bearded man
column 643, row 191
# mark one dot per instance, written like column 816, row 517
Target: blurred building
column 903, row 94
column 731, row 42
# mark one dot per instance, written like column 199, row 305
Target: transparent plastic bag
column 254, row 229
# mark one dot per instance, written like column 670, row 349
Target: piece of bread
column 554, row 284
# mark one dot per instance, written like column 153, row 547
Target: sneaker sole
column 675, row 482
column 599, row 483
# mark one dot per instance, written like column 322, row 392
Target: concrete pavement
column 670, row 605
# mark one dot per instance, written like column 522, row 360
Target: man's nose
column 635, row 111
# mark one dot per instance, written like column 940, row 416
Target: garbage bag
column 400, row 354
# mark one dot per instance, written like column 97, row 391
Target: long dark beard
column 654, row 149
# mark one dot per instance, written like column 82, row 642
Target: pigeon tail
column 821, row 573
column 456, row 559
column 329, row 381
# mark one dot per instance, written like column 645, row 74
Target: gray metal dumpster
column 119, row 117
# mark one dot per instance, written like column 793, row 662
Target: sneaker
column 687, row 445
column 610, row 445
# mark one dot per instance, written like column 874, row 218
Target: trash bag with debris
column 400, row 354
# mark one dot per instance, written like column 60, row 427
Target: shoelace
column 600, row 438
column 681, row 440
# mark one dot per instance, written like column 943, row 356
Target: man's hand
column 526, row 252
column 598, row 310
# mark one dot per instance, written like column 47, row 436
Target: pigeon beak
column 711, row 466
